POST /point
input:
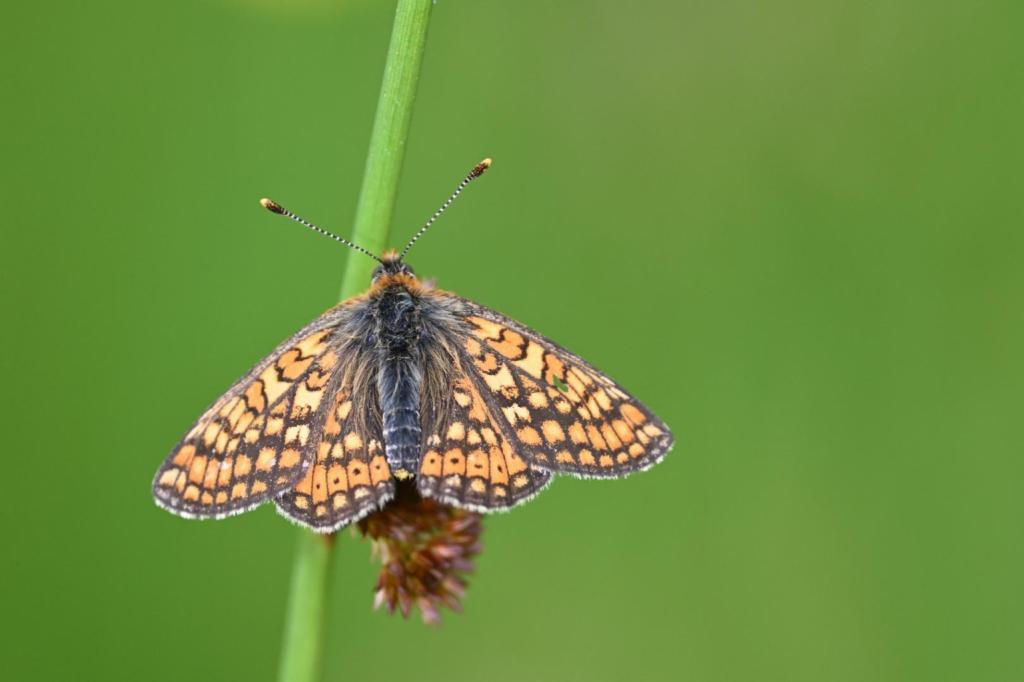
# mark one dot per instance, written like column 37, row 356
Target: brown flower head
column 426, row 548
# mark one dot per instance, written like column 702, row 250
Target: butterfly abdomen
column 399, row 378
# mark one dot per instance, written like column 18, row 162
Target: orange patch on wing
column 243, row 465
column 379, row 470
column 456, row 431
column 516, row 413
column 291, row 365
column 289, row 458
column 596, row 439
column 210, row 479
column 265, row 460
column 515, row 463
column 575, row 384
column 353, row 441
column 319, row 484
column 510, row 344
column 552, row 431
column 622, row 429
column 198, row 468
column 529, row 435
column 431, row 463
column 533, row 363
column 499, row 473
column 632, row 413
column 485, row 328
column 477, row 464
column 358, row 473
column 487, row 363
column 184, row 455
column 274, row 426
column 454, row 462
column 305, row 484
column 610, row 437
column 235, row 414
column 501, row 382
column 555, row 368
column 577, row 434
column 254, row 396
column 244, row 421
column 317, row 380
column 337, row 480
column 224, row 472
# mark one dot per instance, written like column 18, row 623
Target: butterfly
column 405, row 382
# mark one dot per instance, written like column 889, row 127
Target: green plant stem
column 387, row 142
column 303, row 637
column 303, row 634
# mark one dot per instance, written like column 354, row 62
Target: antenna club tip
column 479, row 169
column 271, row 205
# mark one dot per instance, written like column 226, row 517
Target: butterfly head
column 391, row 267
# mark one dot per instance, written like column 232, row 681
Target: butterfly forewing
column 561, row 414
column 253, row 442
column 349, row 477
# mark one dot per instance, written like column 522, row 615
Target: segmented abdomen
column 398, row 384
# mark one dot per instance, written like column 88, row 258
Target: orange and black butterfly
column 405, row 382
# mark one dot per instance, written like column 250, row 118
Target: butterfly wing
column 253, row 443
column 349, row 477
column 468, row 462
column 560, row 413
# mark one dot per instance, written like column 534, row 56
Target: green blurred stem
column 387, row 142
column 303, row 633
column 303, row 636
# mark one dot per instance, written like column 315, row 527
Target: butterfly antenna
column 277, row 208
column 477, row 171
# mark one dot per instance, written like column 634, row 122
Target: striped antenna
column 477, row 171
column 277, row 208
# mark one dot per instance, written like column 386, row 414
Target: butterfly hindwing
column 468, row 462
column 252, row 443
column 349, row 477
column 563, row 415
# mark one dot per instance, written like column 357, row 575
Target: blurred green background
column 792, row 228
